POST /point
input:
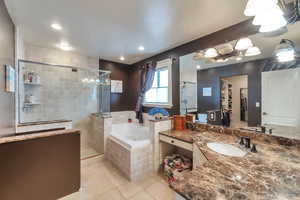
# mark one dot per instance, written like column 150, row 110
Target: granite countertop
column 18, row 138
column 273, row 173
column 186, row 135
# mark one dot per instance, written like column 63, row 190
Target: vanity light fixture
column 285, row 51
column 243, row 44
column 267, row 17
column 258, row 6
column 141, row 48
column 267, row 14
column 253, row 51
column 276, row 22
column 56, row 26
column 211, row 53
column 122, row 58
column 228, row 51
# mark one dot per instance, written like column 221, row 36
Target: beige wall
column 237, row 82
column 7, row 48
column 56, row 56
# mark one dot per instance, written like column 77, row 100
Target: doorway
column 234, row 101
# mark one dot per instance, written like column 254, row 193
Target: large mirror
column 250, row 83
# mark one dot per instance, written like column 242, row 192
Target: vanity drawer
column 175, row 142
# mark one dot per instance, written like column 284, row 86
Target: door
column 280, row 98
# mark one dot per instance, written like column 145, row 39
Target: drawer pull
column 172, row 141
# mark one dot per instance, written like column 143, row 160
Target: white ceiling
column 111, row 28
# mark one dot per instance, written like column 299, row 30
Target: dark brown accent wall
column 130, row 73
column 211, row 78
column 129, row 76
column 43, row 168
column 228, row 34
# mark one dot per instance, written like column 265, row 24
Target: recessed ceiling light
column 198, row 67
column 65, row 46
column 56, row 26
column 141, row 48
column 122, row 58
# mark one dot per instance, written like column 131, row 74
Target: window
column 160, row 94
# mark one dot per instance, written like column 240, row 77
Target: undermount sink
column 226, row 149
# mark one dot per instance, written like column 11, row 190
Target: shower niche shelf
column 31, row 104
column 32, row 83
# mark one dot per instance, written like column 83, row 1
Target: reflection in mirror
column 232, row 105
column 188, row 85
column 253, row 83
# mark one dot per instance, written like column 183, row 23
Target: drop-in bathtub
column 131, row 135
column 129, row 148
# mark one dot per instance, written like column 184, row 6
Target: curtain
column 147, row 73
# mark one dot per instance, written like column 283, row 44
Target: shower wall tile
column 62, row 95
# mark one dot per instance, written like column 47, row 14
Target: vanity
column 181, row 142
column 271, row 173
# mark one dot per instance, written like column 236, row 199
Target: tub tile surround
column 135, row 163
column 272, row 173
column 155, row 127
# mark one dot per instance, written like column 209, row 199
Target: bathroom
column 144, row 100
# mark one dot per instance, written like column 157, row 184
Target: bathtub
column 131, row 135
column 130, row 149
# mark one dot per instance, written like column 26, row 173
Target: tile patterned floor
column 100, row 180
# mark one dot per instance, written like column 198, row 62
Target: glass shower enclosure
column 54, row 93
